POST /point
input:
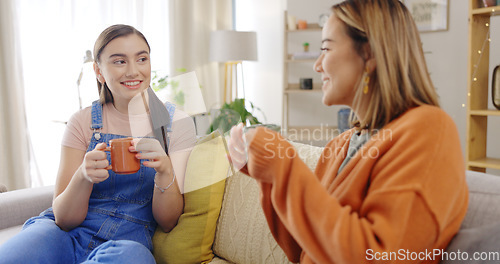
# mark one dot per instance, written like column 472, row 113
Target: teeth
column 325, row 81
column 132, row 83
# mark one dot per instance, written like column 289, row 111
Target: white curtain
column 14, row 151
column 191, row 22
column 54, row 37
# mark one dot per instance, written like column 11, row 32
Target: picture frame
column 429, row 15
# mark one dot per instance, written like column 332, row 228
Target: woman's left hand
column 238, row 146
column 151, row 150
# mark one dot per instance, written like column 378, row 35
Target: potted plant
column 231, row 114
column 159, row 83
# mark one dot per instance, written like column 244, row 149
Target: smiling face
column 340, row 65
column 125, row 67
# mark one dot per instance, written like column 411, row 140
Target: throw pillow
column 191, row 239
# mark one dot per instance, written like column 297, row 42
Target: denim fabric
column 119, row 221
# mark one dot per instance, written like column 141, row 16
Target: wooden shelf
column 290, row 59
column 310, row 27
column 478, row 74
column 487, row 112
column 300, row 61
column 491, row 163
column 295, row 68
column 487, row 11
column 299, row 91
column 295, row 88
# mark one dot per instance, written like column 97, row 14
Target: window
column 54, row 36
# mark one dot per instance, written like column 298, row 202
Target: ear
column 98, row 73
column 370, row 62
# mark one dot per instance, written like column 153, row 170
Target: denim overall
column 117, row 229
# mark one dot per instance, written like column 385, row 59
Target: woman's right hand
column 95, row 164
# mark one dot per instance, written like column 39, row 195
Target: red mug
column 122, row 160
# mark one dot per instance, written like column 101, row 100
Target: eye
column 323, row 50
column 143, row 59
column 119, row 62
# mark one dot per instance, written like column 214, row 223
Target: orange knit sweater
column 402, row 196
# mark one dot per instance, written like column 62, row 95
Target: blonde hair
column 400, row 80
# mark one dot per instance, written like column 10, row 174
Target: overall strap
column 96, row 115
column 96, row 119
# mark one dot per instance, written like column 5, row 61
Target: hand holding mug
column 94, row 166
column 238, row 145
column 151, row 150
column 123, row 161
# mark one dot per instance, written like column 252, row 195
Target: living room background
column 52, row 67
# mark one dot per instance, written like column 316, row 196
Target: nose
column 132, row 70
column 317, row 65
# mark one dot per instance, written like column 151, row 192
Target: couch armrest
column 18, row 206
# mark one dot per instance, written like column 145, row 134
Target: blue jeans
column 44, row 242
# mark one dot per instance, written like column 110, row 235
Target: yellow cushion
column 191, row 239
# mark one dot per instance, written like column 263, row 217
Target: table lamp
column 232, row 47
column 86, row 59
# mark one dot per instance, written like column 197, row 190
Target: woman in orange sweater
column 392, row 188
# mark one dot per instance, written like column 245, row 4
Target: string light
column 480, row 52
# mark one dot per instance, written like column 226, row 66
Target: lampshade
column 228, row 45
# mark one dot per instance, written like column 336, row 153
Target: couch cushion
column 480, row 230
column 476, row 245
column 243, row 235
column 484, row 198
column 7, row 233
column 19, row 205
column 192, row 238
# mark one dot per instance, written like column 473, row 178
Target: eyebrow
column 325, row 40
column 124, row 55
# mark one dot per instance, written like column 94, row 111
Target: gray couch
column 243, row 236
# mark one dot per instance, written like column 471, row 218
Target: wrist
column 161, row 182
column 82, row 175
column 164, row 175
column 165, row 168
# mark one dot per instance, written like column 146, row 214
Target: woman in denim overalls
column 98, row 216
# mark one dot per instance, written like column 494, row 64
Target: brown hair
column 400, row 80
column 109, row 34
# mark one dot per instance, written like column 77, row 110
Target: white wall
column 263, row 79
column 446, row 59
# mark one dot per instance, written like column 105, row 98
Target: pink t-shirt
column 78, row 132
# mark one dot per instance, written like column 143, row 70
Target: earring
column 366, row 82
